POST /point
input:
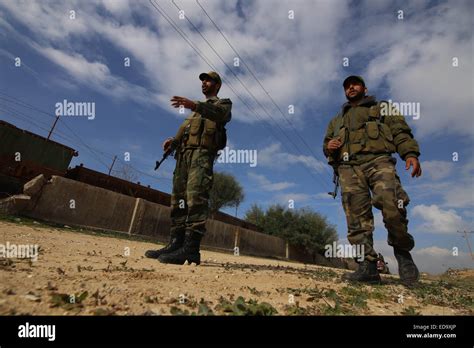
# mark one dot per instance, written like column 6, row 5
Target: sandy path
column 120, row 280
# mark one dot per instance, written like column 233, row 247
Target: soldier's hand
column 334, row 144
column 185, row 102
column 413, row 161
column 167, row 144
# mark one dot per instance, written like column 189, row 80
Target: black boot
column 188, row 252
column 367, row 273
column 407, row 269
column 176, row 242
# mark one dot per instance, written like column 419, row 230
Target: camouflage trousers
column 377, row 184
column 192, row 182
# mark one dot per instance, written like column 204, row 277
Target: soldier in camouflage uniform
column 198, row 139
column 358, row 144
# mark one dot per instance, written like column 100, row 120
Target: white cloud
column 300, row 199
column 433, row 259
column 117, row 7
column 437, row 170
column 266, row 39
column 437, row 220
column 325, row 196
column 272, row 156
column 437, row 260
column 295, row 60
column 96, row 75
column 297, row 199
column 267, row 185
column 460, row 195
column 415, row 59
column 453, row 182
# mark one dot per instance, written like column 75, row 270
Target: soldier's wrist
column 411, row 155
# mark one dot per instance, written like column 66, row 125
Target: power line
column 247, row 89
column 94, row 152
column 20, row 115
column 13, row 112
column 184, row 36
column 19, row 102
column 258, row 81
column 203, row 57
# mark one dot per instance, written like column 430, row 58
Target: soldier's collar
column 213, row 98
column 366, row 101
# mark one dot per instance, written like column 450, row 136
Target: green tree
column 255, row 215
column 303, row 227
column 225, row 192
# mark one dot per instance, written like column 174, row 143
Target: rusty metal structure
column 112, row 183
column 24, row 155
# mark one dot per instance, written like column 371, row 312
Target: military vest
column 199, row 132
column 366, row 134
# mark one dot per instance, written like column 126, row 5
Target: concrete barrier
column 220, row 235
column 71, row 202
column 260, row 244
column 150, row 219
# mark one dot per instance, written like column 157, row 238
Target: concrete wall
column 150, row 219
column 255, row 243
column 70, row 202
column 100, row 208
column 220, row 235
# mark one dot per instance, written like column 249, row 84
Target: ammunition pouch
column 208, row 135
column 194, row 132
column 379, row 138
column 375, row 137
column 200, row 132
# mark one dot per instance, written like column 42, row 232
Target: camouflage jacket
column 366, row 133
column 204, row 128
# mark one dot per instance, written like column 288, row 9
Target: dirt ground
column 91, row 273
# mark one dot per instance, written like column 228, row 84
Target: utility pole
column 467, row 241
column 110, row 169
column 54, row 125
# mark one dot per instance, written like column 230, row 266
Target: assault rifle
column 170, row 151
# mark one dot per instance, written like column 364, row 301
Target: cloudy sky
column 290, row 53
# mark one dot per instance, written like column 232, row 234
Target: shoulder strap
column 338, row 124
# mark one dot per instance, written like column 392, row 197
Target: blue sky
column 298, row 61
